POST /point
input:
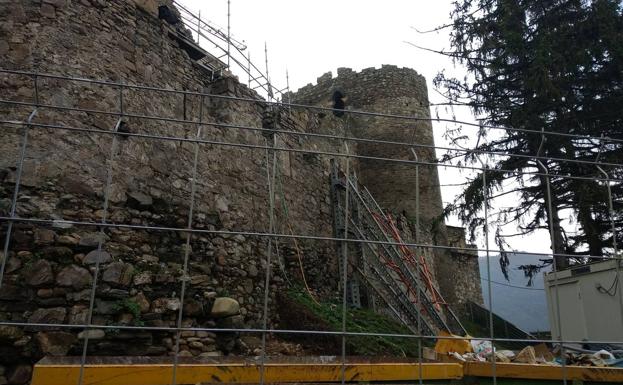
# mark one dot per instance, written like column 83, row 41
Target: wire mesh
column 153, row 129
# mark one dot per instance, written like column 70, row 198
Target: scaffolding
column 220, row 52
column 402, row 283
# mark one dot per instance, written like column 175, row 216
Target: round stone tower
column 395, row 91
column 402, row 92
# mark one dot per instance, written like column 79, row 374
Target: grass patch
column 361, row 321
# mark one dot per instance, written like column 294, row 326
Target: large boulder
column 225, row 307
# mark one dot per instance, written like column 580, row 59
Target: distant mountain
column 524, row 306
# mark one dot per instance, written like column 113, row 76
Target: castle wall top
column 366, row 87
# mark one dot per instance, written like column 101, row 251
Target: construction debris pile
column 478, row 350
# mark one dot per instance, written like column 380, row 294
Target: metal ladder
column 380, row 263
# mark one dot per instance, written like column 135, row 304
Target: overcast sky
column 309, row 38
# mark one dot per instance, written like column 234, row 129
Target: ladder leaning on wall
column 383, row 265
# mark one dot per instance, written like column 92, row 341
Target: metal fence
column 480, row 315
column 37, row 105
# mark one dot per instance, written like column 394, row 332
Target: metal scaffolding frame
column 223, row 46
column 387, row 263
column 271, row 150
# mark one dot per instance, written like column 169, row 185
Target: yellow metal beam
column 159, row 371
column 237, row 373
column 543, row 372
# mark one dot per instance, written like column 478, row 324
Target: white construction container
column 591, row 307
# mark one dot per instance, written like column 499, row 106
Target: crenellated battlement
column 366, row 87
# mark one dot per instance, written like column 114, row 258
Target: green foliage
column 552, row 65
column 131, row 306
column 362, row 321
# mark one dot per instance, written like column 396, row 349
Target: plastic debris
column 457, row 356
column 604, row 355
column 482, row 348
column 500, row 357
column 507, row 353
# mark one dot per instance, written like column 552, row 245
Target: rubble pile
column 478, row 350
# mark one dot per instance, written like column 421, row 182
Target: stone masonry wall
column 50, row 267
column 467, row 272
column 53, row 252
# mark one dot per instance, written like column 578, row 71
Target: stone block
column 107, row 307
column 92, row 239
column 74, row 276
column 142, row 302
column 232, row 322
column 149, row 6
column 94, row 256
column 67, row 240
column 10, row 333
column 92, row 334
column 39, row 273
column 13, row 264
column 56, row 3
column 55, row 315
column 192, row 308
column 47, row 10
column 118, row 273
column 44, row 237
column 139, row 200
column 225, row 307
column 142, row 278
column 55, row 343
column 526, row 356
column 162, row 305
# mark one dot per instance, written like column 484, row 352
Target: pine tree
column 543, row 65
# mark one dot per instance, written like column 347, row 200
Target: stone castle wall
column 50, row 266
column 467, row 279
